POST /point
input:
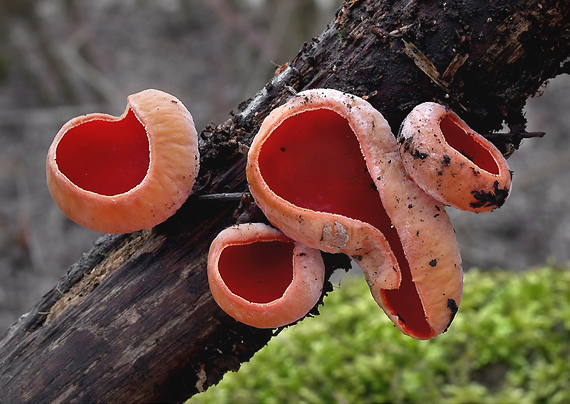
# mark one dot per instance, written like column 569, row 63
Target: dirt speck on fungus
column 496, row 197
column 452, row 305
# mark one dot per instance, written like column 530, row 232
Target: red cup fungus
column 451, row 162
column 325, row 169
column 127, row 173
column 261, row 277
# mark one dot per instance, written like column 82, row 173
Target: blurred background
column 63, row 58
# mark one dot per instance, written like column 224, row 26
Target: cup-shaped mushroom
column 261, row 277
column 325, row 170
column 121, row 174
column 451, row 162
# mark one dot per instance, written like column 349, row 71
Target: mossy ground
column 509, row 343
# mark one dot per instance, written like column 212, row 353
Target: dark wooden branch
column 134, row 321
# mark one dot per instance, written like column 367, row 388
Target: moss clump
column 509, row 343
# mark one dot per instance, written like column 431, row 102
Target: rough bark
column 134, row 321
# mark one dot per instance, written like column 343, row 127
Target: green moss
column 509, row 343
column 340, row 36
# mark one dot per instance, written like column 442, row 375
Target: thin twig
column 223, row 197
column 522, row 135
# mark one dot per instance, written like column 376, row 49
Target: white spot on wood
column 201, row 379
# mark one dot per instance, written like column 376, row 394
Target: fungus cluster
column 127, row 173
column 327, row 172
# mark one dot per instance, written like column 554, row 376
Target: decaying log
column 134, row 321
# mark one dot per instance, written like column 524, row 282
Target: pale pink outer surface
column 172, row 172
column 422, row 224
column 298, row 299
column 454, row 179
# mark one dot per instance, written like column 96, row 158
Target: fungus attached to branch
column 307, row 174
column 261, row 277
column 451, row 162
column 325, row 170
column 127, row 173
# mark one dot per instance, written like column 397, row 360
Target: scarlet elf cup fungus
column 325, row 170
column 261, row 277
column 451, row 162
column 127, row 173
